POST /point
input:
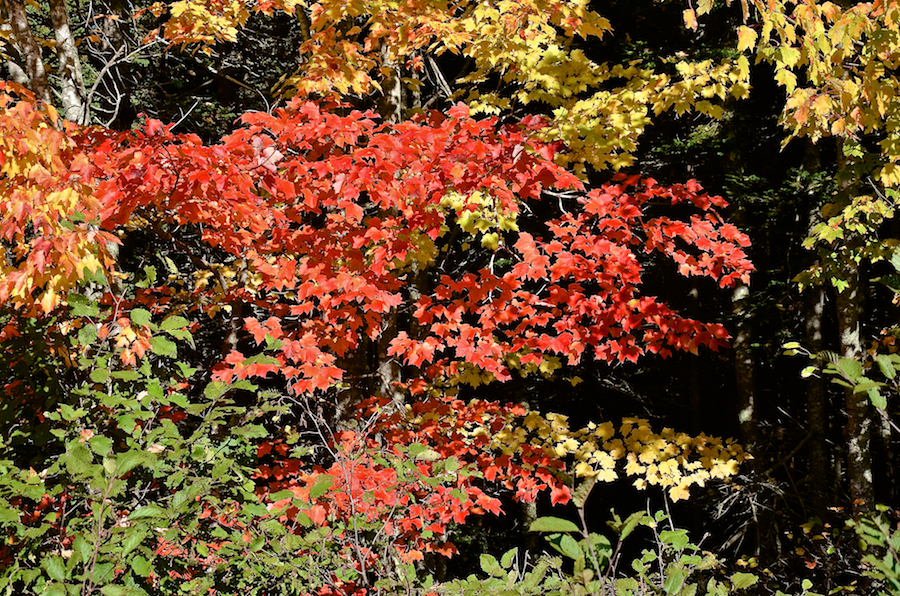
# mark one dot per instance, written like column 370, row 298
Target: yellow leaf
column 690, row 19
column 786, row 79
column 584, row 470
column 789, row 56
column 178, row 8
column 678, row 493
column 890, row 175
column 746, row 38
column 607, row 475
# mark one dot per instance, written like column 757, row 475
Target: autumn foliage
column 307, row 231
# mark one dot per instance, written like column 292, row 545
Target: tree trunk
column 748, row 413
column 28, row 48
column 71, row 83
column 816, row 407
column 13, row 59
column 859, row 418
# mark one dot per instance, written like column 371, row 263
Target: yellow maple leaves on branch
column 838, row 67
column 673, row 461
column 599, row 110
column 46, row 207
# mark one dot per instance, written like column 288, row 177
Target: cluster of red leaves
column 403, row 500
column 417, row 470
column 324, row 207
column 579, row 289
column 320, row 206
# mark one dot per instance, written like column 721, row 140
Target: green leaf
column 129, row 460
column 490, row 565
column 895, row 259
column 508, row 557
column 321, row 486
column 850, row 367
column 886, row 365
column 428, row 455
column 257, row 543
column 552, row 524
column 806, row 584
column 78, row 458
column 99, row 375
column 125, row 375
column 878, row 400
column 740, row 581
column 451, row 464
column 630, row 524
column 150, row 272
column 140, row 565
column 565, row 544
column 601, row 546
column 69, row 413
column 215, row 390
column 81, row 306
column 100, row 445
column 140, row 317
column 132, row 541
column 174, row 322
column 674, row 581
column 163, row 346
column 82, row 547
column 87, row 335
column 865, row 385
column 255, row 509
column 151, row 510
column 56, row 568
column 677, row 539
column 55, row 590
column 114, row 590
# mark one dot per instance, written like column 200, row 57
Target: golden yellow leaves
column 479, row 213
column 45, row 207
column 746, row 38
column 837, row 65
column 196, row 21
column 671, row 460
column 690, row 19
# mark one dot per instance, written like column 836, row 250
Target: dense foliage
column 364, row 326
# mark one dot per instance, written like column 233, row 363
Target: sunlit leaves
column 308, row 230
column 48, row 212
column 439, row 453
column 599, row 110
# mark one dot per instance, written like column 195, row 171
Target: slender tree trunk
column 859, row 418
column 388, row 372
column 71, row 83
column 816, row 407
column 28, row 48
column 748, row 413
column 13, row 59
column 391, row 107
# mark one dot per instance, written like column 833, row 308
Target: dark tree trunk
column 820, row 472
column 744, row 365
